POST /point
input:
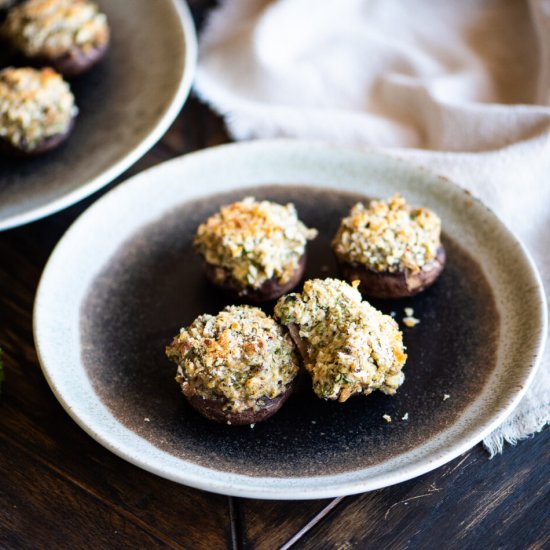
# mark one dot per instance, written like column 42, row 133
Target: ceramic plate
column 126, row 104
column 124, row 278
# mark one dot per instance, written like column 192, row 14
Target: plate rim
column 117, row 168
column 243, row 487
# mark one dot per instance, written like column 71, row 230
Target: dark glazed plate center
column 154, row 285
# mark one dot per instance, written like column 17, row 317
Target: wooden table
column 61, row 489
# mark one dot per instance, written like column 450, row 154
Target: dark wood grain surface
column 61, row 489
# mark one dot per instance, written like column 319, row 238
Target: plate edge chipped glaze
column 189, row 62
column 57, row 327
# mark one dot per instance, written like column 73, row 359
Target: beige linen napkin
column 460, row 86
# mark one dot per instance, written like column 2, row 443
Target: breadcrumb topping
column 53, row 28
column 34, row 105
column 351, row 347
column 410, row 322
column 254, row 241
column 388, row 236
column 239, row 356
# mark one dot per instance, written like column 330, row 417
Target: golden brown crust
column 215, row 410
column 70, row 35
column 388, row 236
column 269, row 290
column 347, row 346
column 36, row 108
column 251, row 242
column 235, row 367
column 400, row 284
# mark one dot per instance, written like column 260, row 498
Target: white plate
column 126, row 104
column 123, row 278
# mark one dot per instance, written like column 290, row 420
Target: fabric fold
column 461, row 87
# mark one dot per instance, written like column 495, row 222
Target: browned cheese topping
column 351, row 347
column 240, row 356
column 34, row 105
column 254, row 241
column 53, row 28
column 388, row 236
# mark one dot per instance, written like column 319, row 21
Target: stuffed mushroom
column 255, row 250
column 37, row 110
column 394, row 250
column 69, row 35
column 348, row 347
column 237, row 367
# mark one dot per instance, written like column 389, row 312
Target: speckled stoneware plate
column 124, row 278
column 126, row 104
